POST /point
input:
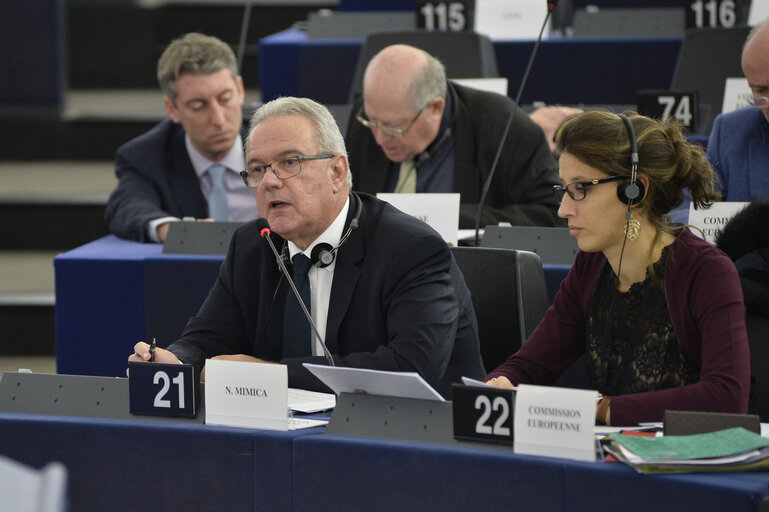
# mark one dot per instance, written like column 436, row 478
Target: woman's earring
column 632, row 228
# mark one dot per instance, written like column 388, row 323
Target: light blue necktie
column 217, row 198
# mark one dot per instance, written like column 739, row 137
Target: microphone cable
column 265, row 233
column 243, row 34
column 487, row 183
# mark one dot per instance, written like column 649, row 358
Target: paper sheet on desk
column 302, row 400
column 374, row 382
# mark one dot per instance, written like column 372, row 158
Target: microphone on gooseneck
column 243, row 35
column 487, row 183
column 264, row 231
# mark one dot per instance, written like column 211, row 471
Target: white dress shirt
column 321, row 279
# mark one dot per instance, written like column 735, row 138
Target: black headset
column 631, row 191
column 323, row 254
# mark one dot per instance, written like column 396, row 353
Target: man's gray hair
column 193, row 53
column 328, row 138
column 429, row 84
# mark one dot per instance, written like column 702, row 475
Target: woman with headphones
column 657, row 312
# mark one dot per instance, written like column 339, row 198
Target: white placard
column 505, row 20
column 759, row 11
column 439, row 211
column 243, row 394
column 736, row 94
column 497, row 85
column 713, row 219
column 555, row 422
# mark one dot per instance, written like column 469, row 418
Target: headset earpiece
column 631, row 191
column 322, row 255
column 628, row 191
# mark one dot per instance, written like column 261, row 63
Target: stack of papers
column 734, row 449
column 302, row 400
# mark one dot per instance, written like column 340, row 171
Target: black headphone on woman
column 631, row 191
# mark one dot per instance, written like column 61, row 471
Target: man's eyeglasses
column 759, row 101
column 389, row 130
column 578, row 189
column 283, row 169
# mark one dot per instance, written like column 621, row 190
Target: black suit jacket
column 155, row 179
column 521, row 191
column 398, row 303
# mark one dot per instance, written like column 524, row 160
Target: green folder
column 699, row 446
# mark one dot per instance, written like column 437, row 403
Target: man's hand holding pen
column 146, row 353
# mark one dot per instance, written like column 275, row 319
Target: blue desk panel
column 119, row 465
column 111, row 293
column 99, row 305
column 133, row 466
column 566, row 71
column 334, row 472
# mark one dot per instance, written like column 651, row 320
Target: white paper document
column 497, row 85
column 302, row 400
column 439, row 211
column 374, row 382
column 736, row 94
column 503, row 20
column 475, row 383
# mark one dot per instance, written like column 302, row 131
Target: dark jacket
column 521, row 191
column 745, row 239
column 155, row 179
column 398, row 303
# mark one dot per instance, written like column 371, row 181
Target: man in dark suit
column 392, row 298
column 188, row 165
column 414, row 131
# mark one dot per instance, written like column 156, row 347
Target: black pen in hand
column 153, row 346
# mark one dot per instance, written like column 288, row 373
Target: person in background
column 657, row 311
column 550, row 117
column 189, row 164
column 415, row 131
column 388, row 297
column 738, row 146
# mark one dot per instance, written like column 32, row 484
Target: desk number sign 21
column 159, row 389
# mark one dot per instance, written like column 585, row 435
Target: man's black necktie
column 296, row 328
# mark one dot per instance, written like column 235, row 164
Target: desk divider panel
column 74, row 395
column 403, row 419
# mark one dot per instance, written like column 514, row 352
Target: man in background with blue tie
column 189, row 164
column 380, row 285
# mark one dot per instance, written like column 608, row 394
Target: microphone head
column 263, row 226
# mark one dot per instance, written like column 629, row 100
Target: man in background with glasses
column 188, row 165
column 738, row 148
column 415, row 131
column 388, row 296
